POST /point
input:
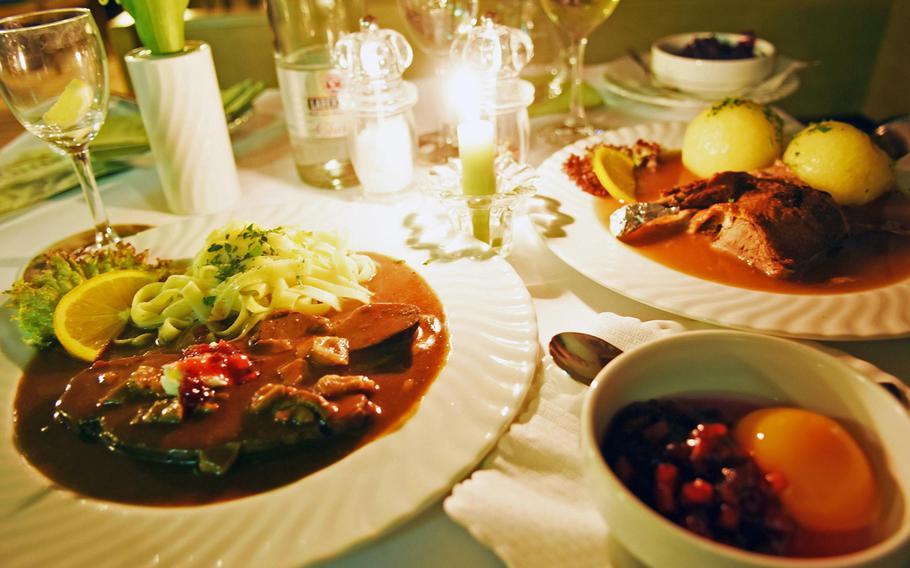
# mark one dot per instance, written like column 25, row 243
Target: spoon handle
column 899, row 391
column 774, row 82
column 637, row 59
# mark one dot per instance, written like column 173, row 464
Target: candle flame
column 464, row 93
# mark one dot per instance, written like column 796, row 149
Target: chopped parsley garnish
column 230, row 258
column 818, row 127
column 727, row 102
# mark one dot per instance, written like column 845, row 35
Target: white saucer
column 625, row 78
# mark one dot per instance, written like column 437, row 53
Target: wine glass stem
column 104, row 232
column 576, row 79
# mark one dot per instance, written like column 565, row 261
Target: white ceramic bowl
column 710, row 77
column 744, row 364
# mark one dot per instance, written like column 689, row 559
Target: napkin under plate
column 528, row 502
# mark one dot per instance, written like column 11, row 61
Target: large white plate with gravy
column 589, row 247
column 491, row 360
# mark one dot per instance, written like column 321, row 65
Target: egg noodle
column 245, row 272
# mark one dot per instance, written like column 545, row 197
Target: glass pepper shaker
column 497, row 54
column 378, row 105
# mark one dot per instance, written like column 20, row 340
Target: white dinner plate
column 625, row 78
column 489, row 368
column 590, row 248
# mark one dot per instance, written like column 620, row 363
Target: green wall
column 845, row 36
column 863, row 46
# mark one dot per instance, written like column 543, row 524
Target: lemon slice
column 72, row 105
column 616, row 172
column 96, row 311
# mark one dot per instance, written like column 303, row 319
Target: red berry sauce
column 203, row 362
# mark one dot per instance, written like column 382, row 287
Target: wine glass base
column 105, row 235
column 434, row 149
column 563, row 133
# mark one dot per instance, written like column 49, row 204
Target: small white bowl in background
column 738, row 364
column 710, row 77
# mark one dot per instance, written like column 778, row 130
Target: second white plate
column 590, row 248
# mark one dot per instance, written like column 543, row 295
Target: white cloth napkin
column 529, row 502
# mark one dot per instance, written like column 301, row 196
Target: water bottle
column 304, row 33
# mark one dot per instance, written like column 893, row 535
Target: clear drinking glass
column 53, row 77
column 576, row 19
column 434, row 24
column 549, row 68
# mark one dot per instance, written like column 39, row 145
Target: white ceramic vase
column 184, row 118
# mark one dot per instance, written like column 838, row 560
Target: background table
column 561, row 296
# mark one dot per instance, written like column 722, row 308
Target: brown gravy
column 90, row 469
column 864, row 262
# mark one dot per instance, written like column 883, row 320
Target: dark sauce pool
column 87, row 467
column 651, row 446
column 864, row 262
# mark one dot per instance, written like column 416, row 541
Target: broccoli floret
column 34, row 297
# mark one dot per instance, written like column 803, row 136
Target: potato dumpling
column 732, row 135
column 840, row 159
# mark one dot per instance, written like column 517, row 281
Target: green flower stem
column 159, row 23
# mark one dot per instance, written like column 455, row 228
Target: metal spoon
column 899, row 391
column 581, row 355
column 894, row 137
column 774, row 82
column 649, row 74
column 638, row 60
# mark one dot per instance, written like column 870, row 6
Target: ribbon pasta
column 245, row 272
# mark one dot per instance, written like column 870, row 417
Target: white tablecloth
column 561, row 296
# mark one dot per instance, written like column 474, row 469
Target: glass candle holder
column 488, row 218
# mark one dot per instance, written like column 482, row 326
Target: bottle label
column 311, row 102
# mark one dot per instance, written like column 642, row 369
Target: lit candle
column 476, row 143
column 477, row 150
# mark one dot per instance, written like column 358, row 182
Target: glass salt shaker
column 497, row 54
column 378, row 105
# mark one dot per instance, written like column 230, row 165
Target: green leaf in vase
column 159, row 23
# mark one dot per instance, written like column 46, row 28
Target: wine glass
column 434, row 24
column 576, row 19
column 548, row 69
column 53, row 77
